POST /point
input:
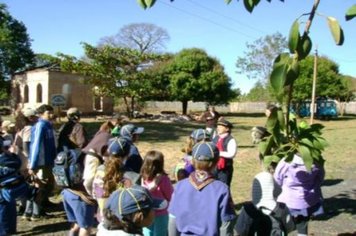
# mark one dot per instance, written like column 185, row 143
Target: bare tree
column 144, row 37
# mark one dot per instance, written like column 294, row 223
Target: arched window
column 25, row 94
column 39, row 93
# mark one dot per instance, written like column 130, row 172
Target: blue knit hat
column 199, row 135
column 118, row 147
column 126, row 201
column 130, row 129
column 205, row 151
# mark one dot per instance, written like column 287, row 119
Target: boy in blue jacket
column 12, row 186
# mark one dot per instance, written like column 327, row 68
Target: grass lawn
column 170, row 138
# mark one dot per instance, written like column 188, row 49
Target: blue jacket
column 9, row 166
column 42, row 147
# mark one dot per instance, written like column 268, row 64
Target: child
column 264, row 192
column 158, row 183
column 227, row 150
column 111, row 175
column 185, row 166
column 12, row 186
column 301, row 190
column 128, row 210
column 200, row 204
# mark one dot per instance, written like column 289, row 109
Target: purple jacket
column 300, row 189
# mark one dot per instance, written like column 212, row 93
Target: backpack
column 13, row 187
column 68, row 168
column 264, row 224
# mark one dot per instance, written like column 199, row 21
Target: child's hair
column 189, row 146
column 131, row 223
column 153, row 165
column 43, row 108
column 114, row 174
column 204, row 165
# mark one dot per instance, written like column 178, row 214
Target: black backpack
column 263, row 224
column 68, row 168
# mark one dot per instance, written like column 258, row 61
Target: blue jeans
column 7, row 218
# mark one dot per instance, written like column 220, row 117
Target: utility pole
column 312, row 104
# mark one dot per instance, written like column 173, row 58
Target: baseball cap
column 28, row 112
column 118, row 147
column 130, row 129
column 225, row 123
column 199, row 135
column 73, row 112
column 125, row 201
column 206, row 151
column 7, row 124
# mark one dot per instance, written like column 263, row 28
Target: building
column 32, row 88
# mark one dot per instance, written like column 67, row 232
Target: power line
column 227, row 17
column 208, row 20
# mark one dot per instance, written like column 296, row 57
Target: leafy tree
column 329, row 81
column 144, row 37
column 113, row 71
column 287, row 136
column 259, row 93
column 15, row 48
column 258, row 60
column 194, row 75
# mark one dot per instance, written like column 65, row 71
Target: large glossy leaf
column 351, row 13
column 336, row 30
column 306, row 156
column 150, row 3
column 293, row 37
column 278, row 77
column 292, row 73
column 142, row 3
column 265, row 146
column 249, row 5
column 304, row 47
column 281, row 119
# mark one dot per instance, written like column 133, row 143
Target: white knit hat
column 263, row 189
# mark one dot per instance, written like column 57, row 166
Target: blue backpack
column 68, row 168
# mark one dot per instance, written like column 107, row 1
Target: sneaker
column 26, row 216
column 36, row 217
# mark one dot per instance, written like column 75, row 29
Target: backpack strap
column 251, row 210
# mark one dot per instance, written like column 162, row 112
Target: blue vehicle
column 325, row 109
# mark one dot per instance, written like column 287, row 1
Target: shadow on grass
column 347, row 234
column 331, row 182
column 46, row 229
column 339, row 204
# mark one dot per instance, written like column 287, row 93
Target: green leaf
column 142, row 4
column 265, row 145
column 278, row 78
column 307, row 142
column 227, row 1
column 249, row 5
column 268, row 160
column 306, row 156
column 293, row 37
column 351, row 13
column 150, row 3
column 335, row 30
column 304, row 47
column 281, row 119
column 322, row 142
column 292, row 73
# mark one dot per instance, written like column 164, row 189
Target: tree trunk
column 132, row 106
column 129, row 113
column 184, row 107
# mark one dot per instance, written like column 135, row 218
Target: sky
column 221, row 30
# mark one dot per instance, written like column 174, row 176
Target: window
column 39, row 93
column 25, row 94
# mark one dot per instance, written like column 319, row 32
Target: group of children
column 125, row 194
